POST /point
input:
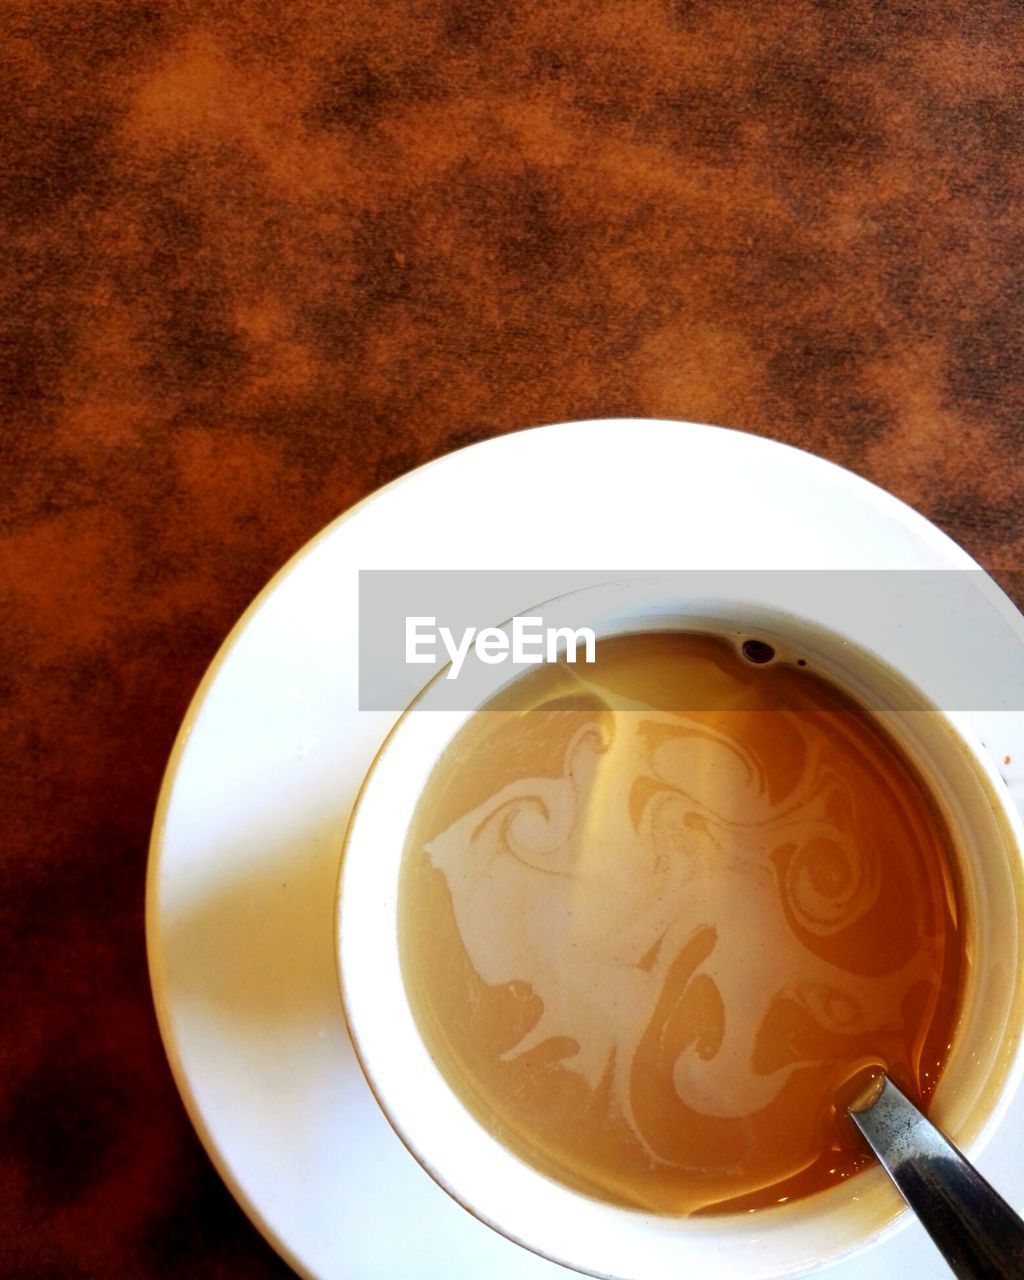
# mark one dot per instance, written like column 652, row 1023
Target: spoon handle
column 974, row 1228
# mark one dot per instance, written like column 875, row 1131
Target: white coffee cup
column 985, row 1063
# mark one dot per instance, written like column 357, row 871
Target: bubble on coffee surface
column 652, row 947
column 758, row 651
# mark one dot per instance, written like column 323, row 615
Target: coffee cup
column 875, row 666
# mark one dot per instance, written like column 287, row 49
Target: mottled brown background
column 261, row 257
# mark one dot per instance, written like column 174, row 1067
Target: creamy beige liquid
column 651, row 948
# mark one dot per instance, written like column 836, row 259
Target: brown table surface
column 261, row 258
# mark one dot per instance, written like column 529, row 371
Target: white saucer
column 253, row 809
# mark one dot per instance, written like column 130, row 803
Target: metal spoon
column 974, row 1228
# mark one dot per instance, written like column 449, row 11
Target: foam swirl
column 587, row 887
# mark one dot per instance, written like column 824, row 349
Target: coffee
column 659, row 916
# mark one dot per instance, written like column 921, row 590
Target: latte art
column 664, row 947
